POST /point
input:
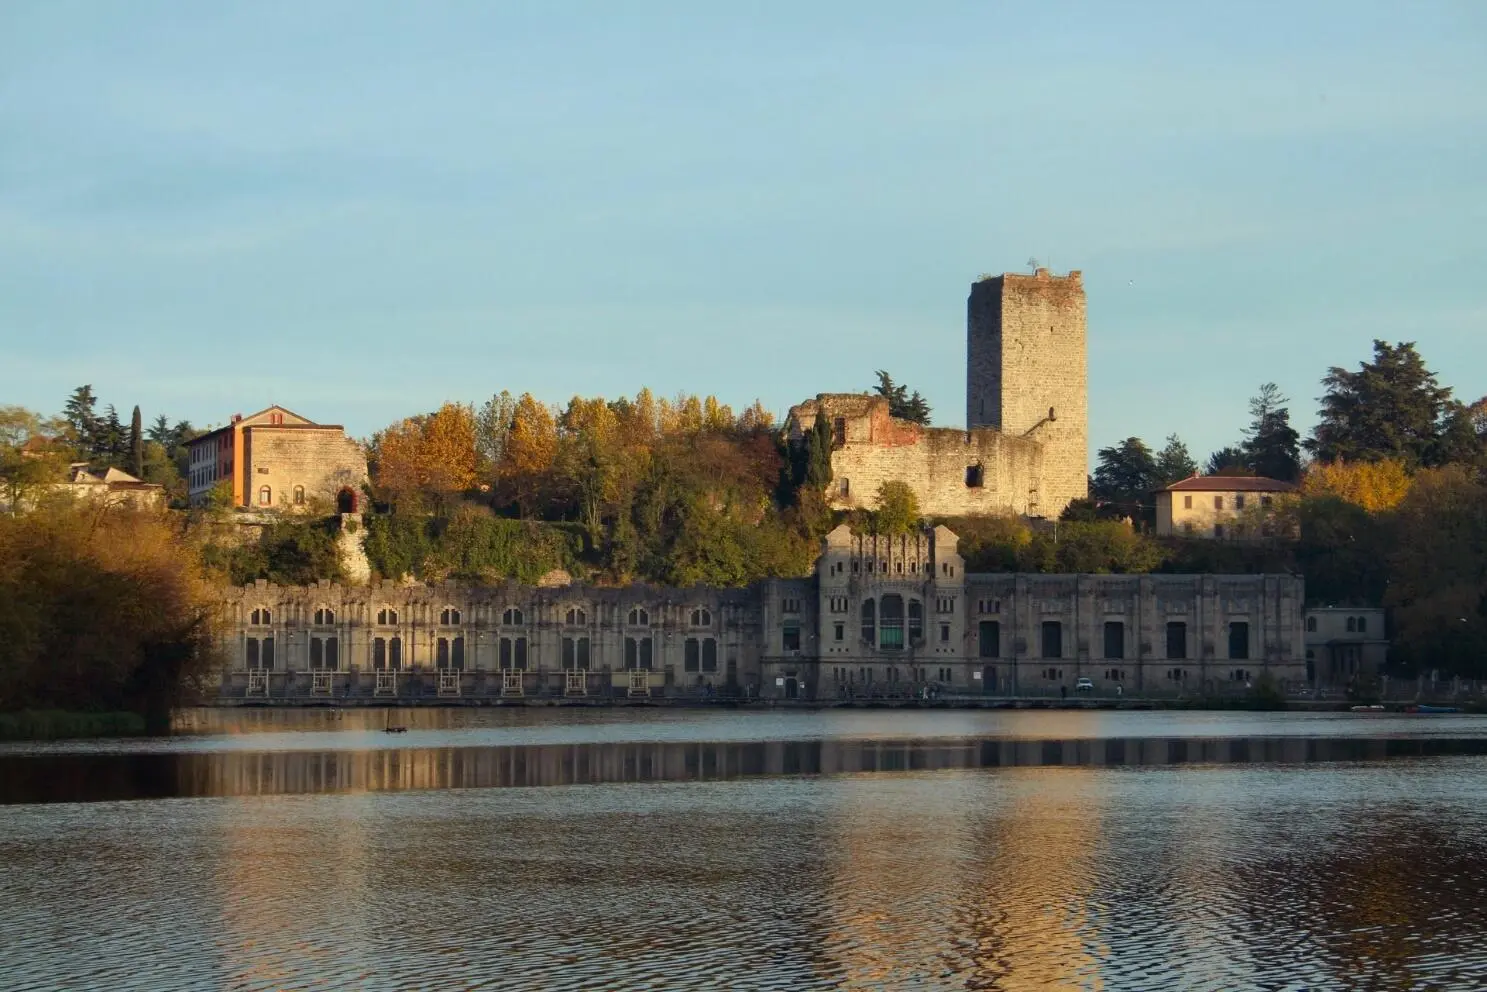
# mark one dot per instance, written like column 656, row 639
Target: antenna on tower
column 1032, row 264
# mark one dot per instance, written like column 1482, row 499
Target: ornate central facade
column 881, row 617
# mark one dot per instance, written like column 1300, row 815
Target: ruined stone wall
column 322, row 460
column 1026, row 354
column 937, row 463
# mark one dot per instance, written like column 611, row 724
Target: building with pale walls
column 882, row 617
column 277, row 459
column 1026, row 445
column 1345, row 642
column 1234, row 507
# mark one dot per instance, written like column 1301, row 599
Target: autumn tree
column 531, row 447
column 896, row 508
column 431, row 456
column 1375, row 486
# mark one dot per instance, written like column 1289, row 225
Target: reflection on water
column 77, row 776
column 1143, row 862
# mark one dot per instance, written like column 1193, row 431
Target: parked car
column 1084, row 685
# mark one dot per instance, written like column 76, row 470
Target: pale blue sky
column 360, row 210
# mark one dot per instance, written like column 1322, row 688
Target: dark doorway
column 792, row 689
column 346, row 500
column 988, row 680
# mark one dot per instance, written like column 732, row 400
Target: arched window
column 324, row 617
column 265, row 496
column 916, row 620
column 260, row 618
column 639, row 618
column 702, row 618
column 577, row 617
column 512, row 617
column 387, row 618
column 891, row 622
column 450, row 617
column 299, row 495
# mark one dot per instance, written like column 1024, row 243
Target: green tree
column 902, row 404
column 81, row 416
column 1125, row 476
column 1272, row 448
column 136, row 446
column 1463, row 436
column 818, row 453
column 897, row 508
column 1228, row 461
column 1174, row 462
column 110, row 442
column 159, row 432
column 1391, row 407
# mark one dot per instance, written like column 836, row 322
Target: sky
column 361, row 210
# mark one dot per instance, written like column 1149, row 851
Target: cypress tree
column 818, row 460
column 136, row 445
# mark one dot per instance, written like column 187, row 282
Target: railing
column 386, row 684
column 576, row 683
column 449, row 683
column 258, row 683
column 640, row 683
column 320, row 683
column 511, row 684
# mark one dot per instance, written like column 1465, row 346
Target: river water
column 673, row 849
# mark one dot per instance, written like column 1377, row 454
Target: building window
column 1218, row 530
column 638, row 653
column 1177, row 639
column 265, row 496
column 1239, row 639
column 1264, row 502
column 945, row 604
column 1115, row 639
column 989, row 639
column 324, row 617
column 1218, row 502
column 916, row 620
column 839, row 432
column 838, row 604
column 299, row 495
column 975, row 477
column 1362, row 625
column 1239, row 501
column 1311, row 624
column 450, row 617
column 790, row 605
column 845, row 488
column 260, row 653
column 387, row 618
column 260, row 618
column 577, row 618
column 692, row 656
column 512, row 654
column 891, row 622
column 840, row 631
column 511, row 618
column 1352, row 625
column 944, row 633
column 1187, row 501
column 1239, row 675
column 869, row 621
column 640, row 618
column 576, row 654
column 1053, row 639
column 449, row 654
column 702, row 618
column 791, row 635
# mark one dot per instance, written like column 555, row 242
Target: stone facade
column 880, row 617
column 1221, row 507
column 278, row 459
column 1344, row 643
column 1027, row 373
column 1026, row 447
column 952, row 472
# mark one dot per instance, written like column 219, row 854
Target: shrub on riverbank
column 101, row 609
column 60, row 724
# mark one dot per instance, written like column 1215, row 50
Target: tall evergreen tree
column 159, row 431
column 109, row 440
column 1174, row 462
column 1391, row 407
column 82, row 419
column 901, row 404
column 1272, row 447
column 136, row 445
column 818, row 457
column 1125, row 477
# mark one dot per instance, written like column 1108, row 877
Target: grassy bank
column 55, row 724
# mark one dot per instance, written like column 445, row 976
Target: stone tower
column 1027, row 375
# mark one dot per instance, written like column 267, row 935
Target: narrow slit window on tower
column 975, row 477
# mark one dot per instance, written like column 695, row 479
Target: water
column 681, row 850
